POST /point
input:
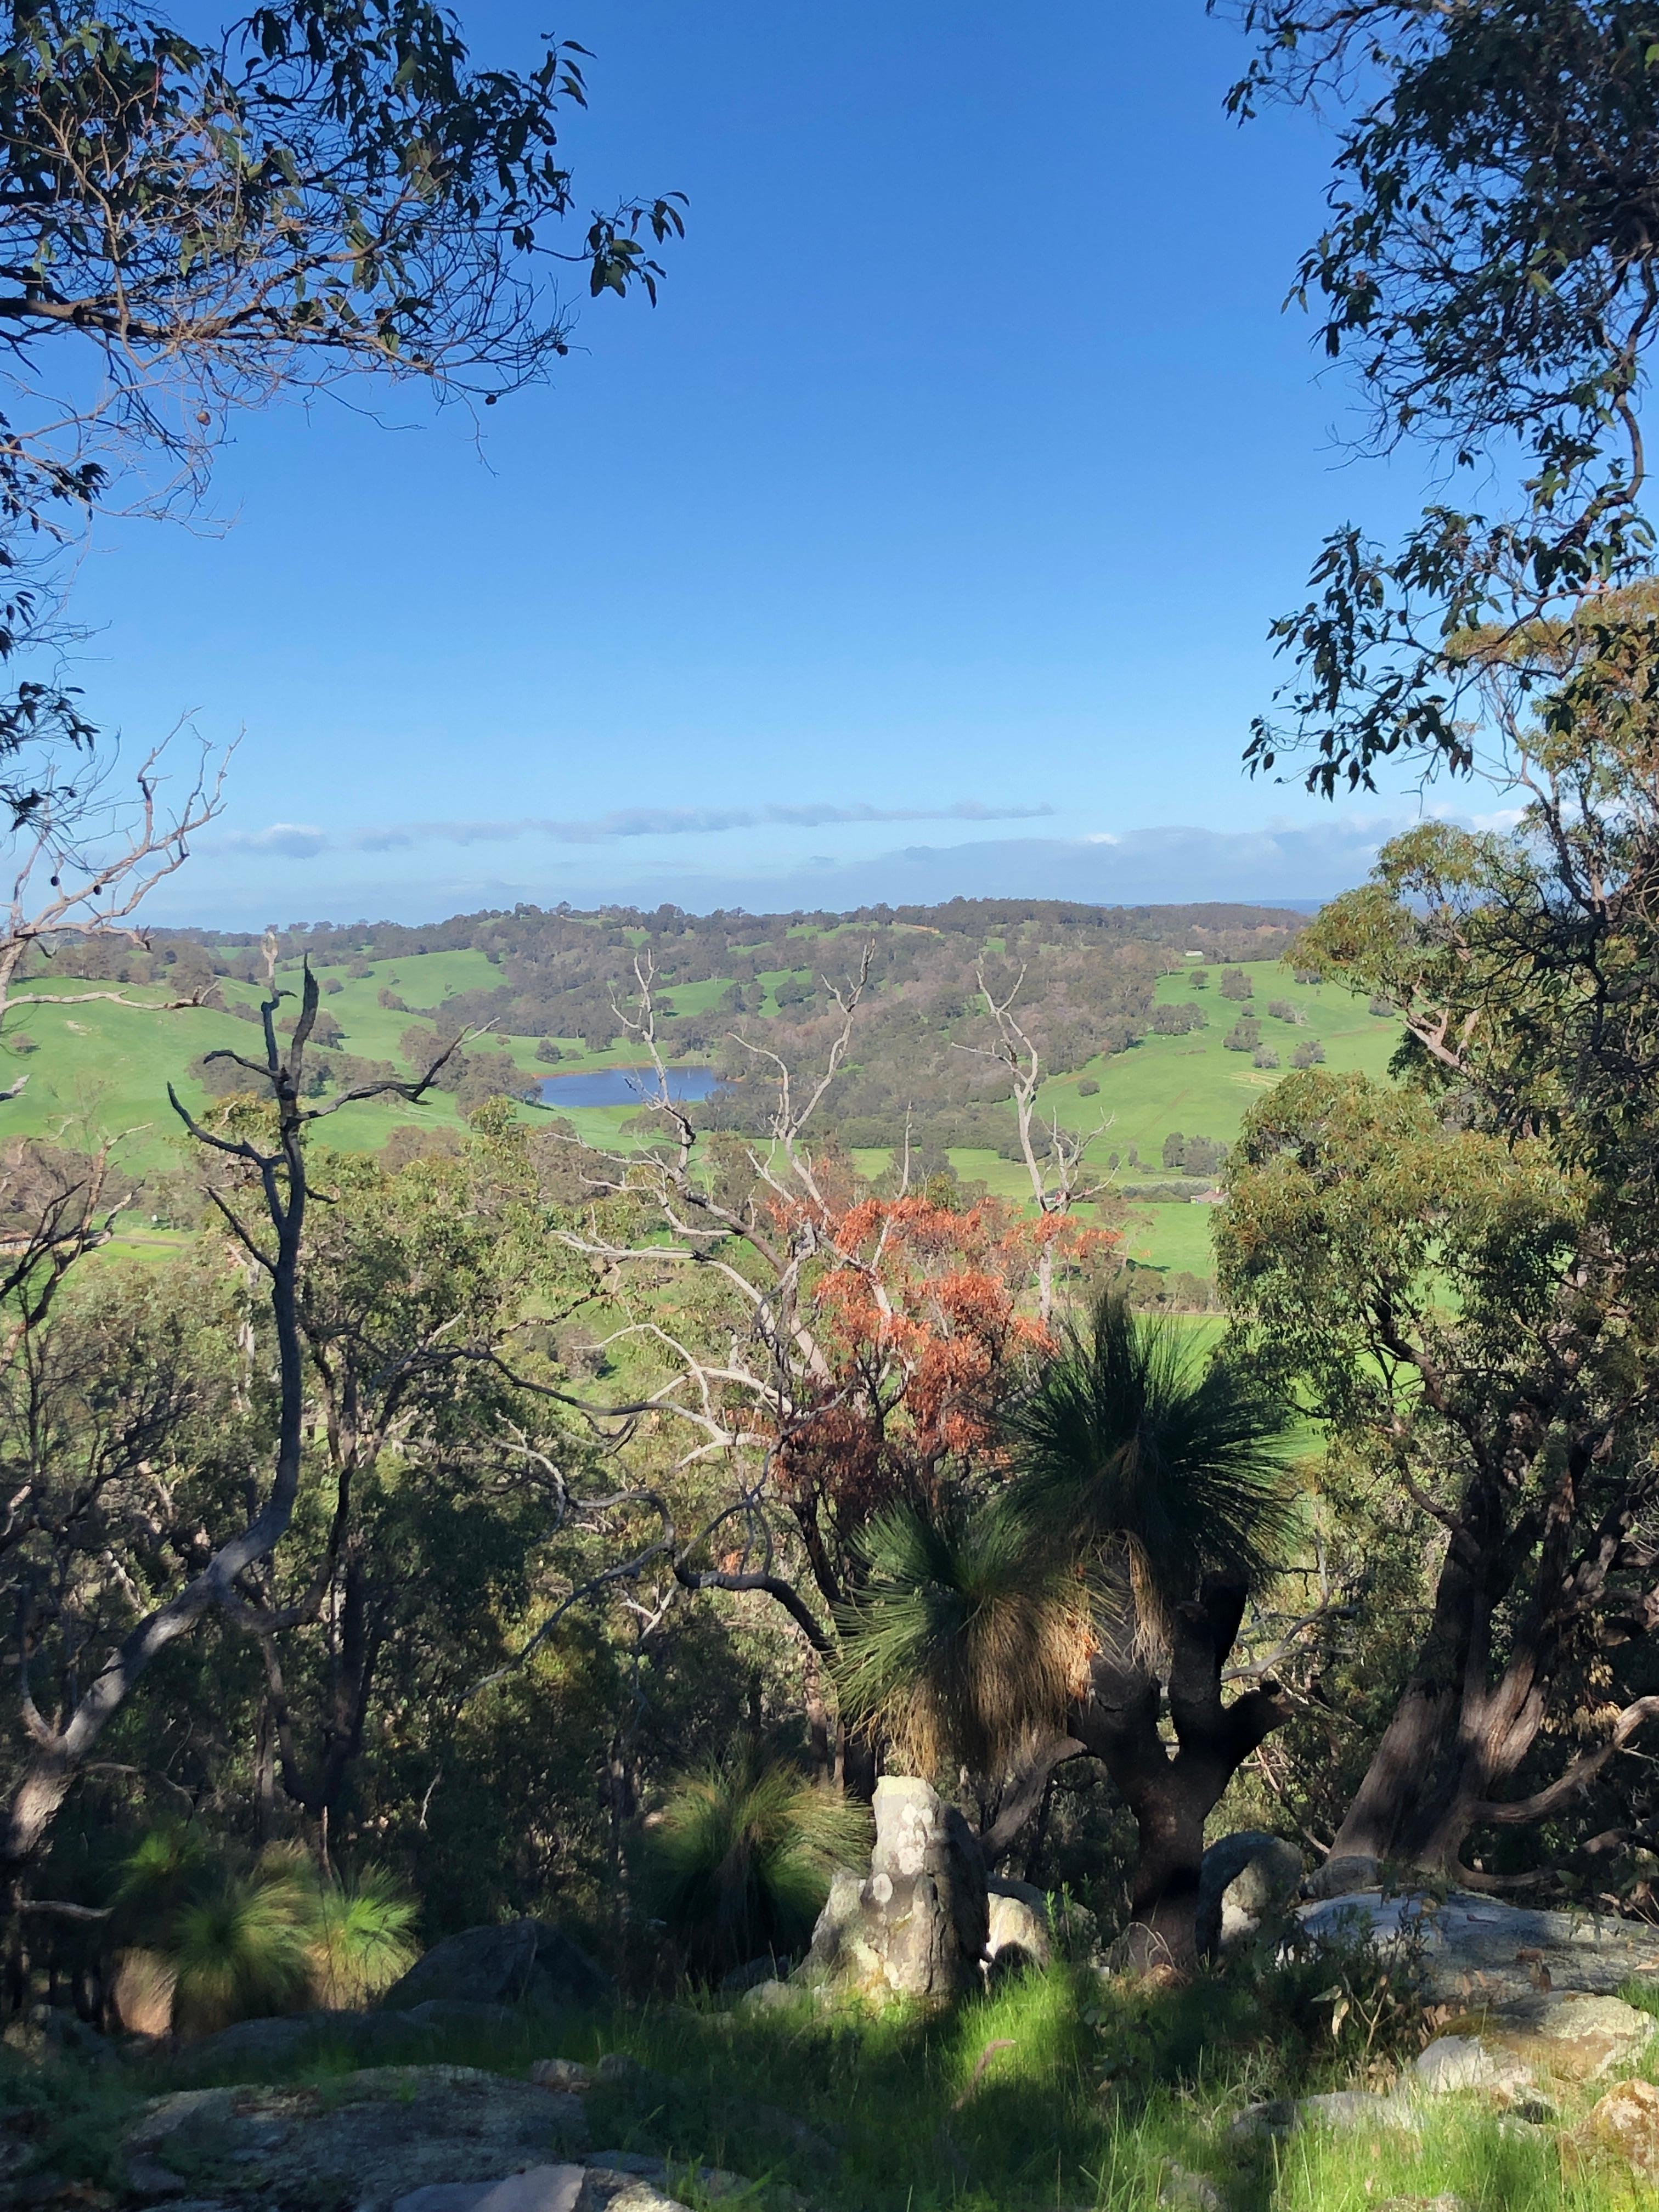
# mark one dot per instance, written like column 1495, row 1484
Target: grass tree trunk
column 1171, row 1790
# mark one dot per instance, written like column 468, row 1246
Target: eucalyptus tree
column 1462, row 1273
column 436, row 1480
column 65, row 1470
column 823, row 1351
column 322, row 192
column 1489, row 271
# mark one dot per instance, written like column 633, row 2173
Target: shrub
column 1236, row 984
column 1311, row 1054
column 222, row 1078
column 1378, row 1006
column 1194, row 1156
column 1282, row 1010
column 744, row 1852
column 1088, row 1088
column 224, row 1944
column 362, row 1939
column 1265, row 1056
column 240, row 1952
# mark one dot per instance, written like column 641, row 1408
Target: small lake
column 625, row 1086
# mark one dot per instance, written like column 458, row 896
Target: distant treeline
column 1086, row 978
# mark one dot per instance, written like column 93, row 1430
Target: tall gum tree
column 1461, row 1272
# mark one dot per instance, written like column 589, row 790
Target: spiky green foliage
column 1137, row 1469
column 240, row 1942
column 966, row 1636
column 1129, row 1447
column 169, row 1869
column 362, row 1938
column 243, row 1951
column 745, row 1853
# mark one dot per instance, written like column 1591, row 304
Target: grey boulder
column 376, row 2138
column 538, row 2189
column 1017, row 1933
column 1344, row 2111
column 1243, row 1881
column 1472, row 1950
column 1565, row 2032
column 916, row 1925
column 1455, row 2063
column 518, row 1962
column 1345, row 1877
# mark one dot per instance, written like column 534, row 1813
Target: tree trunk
column 1452, row 1734
column 1172, row 1794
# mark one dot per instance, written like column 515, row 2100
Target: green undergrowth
column 70, row 2113
column 1058, row 2090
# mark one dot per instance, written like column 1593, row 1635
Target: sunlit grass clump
column 210, row 1942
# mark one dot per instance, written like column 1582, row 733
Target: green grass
column 1195, row 1085
column 1056, row 2091
column 1191, row 1085
column 101, row 1071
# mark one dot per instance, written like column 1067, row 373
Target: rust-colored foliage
column 919, row 1314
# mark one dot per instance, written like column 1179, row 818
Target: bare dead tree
column 83, row 862
column 815, row 1431
column 1059, row 1181
column 61, row 1745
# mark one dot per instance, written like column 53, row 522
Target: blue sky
column 923, row 539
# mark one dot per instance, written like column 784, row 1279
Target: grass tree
column 1104, row 1585
column 745, row 1850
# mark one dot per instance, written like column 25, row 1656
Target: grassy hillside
column 1191, row 1085
column 101, row 1070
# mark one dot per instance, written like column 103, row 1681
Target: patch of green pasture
column 1173, row 1236
column 101, row 1071
column 425, row 979
column 769, row 978
column 1195, row 1085
column 695, row 998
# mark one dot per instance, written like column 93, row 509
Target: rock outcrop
column 356, row 2146
column 1017, row 1931
column 917, row 1924
column 1244, row 1879
column 411, row 2139
column 1566, row 2035
column 1473, row 1951
column 518, row 1962
column 1627, row 2123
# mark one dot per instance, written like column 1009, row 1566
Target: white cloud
column 300, row 842
column 293, row 841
